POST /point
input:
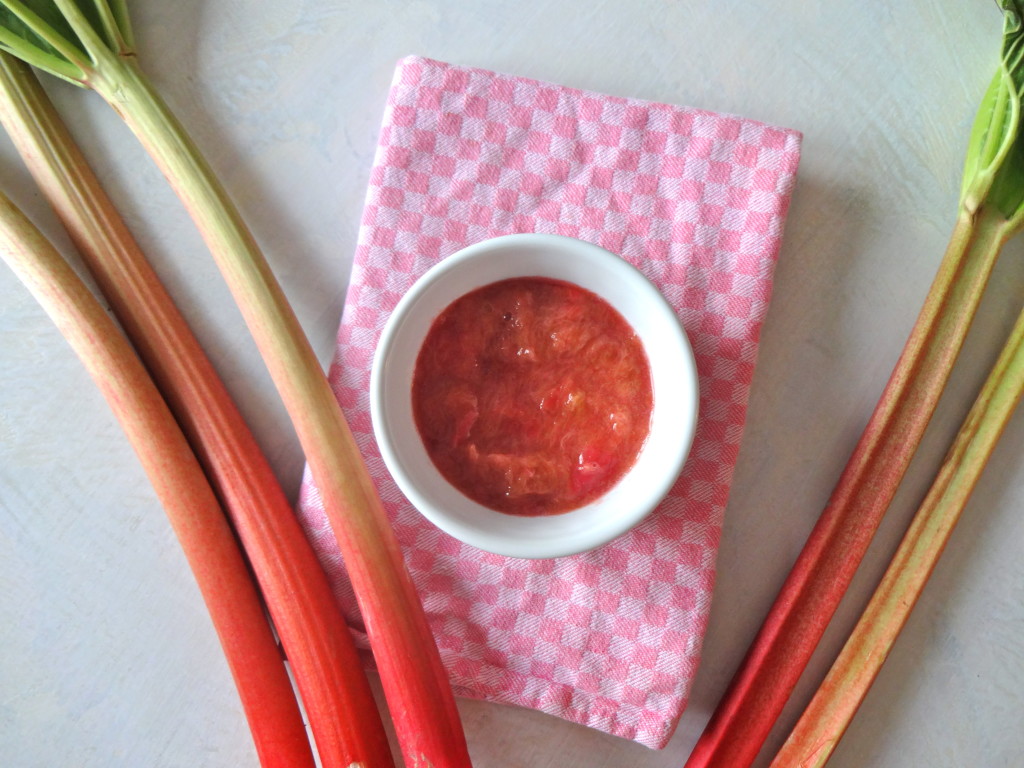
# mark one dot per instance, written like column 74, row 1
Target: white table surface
column 107, row 656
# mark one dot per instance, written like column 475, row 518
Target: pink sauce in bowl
column 532, row 396
column 563, row 504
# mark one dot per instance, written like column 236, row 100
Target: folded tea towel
column 696, row 200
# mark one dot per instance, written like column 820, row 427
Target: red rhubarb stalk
column 342, row 713
column 193, row 510
column 826, row 565
column 991, row 205
column 60, row 38
column 995, row 136
column 827, row 717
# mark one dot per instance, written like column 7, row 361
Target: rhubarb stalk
column 193, row 510
column 95, row 50
column 833, row 706
column 990, row 213
column 342, row 713
column 827, row 717
column 826, row 565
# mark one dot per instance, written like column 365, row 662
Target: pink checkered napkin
column 696, row 200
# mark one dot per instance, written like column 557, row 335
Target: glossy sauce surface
column 532, row 396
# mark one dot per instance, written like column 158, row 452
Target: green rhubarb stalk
column 192, row 508
column 995, row 177
column 92, row 46
column 827, row 717
column 991, row 211
column 342, row 713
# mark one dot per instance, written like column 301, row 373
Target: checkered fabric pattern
column 696, row 200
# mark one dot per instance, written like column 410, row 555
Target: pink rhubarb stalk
column 991, row 211
column 342, row 713
column 63, row 40
column 193, row 510
column 826, row 565
column 827, row 717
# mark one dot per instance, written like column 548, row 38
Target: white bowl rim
column 545, row 536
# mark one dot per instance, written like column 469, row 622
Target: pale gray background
column 107, row 656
